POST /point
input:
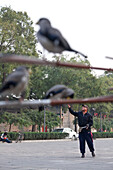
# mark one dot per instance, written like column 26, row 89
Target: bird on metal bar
column 16, row 82
column 52, row 39
column 58, row 92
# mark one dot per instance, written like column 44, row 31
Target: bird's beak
column 68, row 97
column 37, row 23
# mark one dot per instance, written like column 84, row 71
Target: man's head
column 84, row 108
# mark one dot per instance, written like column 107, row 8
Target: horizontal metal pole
column 109, row 57
column 24, row 104
column 100, row 99
column 12, row 58
column 34, row 104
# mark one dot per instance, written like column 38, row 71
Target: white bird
column 16, row 82
column 51, row 39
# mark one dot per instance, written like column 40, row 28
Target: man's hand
column 87, row 126
column 69, row 106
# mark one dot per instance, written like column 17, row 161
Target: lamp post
column 44, row 118
column 101, row 122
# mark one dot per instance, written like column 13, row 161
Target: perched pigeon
column 58, row 92
column 51, row 39
column 16, row 82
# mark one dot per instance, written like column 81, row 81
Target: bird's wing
column 8, row 85
column 12, row 80
column 15, row 76
column 55, row 36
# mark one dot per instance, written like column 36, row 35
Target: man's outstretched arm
column 71, row 111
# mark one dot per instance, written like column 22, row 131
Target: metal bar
column 23, row 104
column 36, row 103
column 109, row 57
column 11, row 58
column 86, row 100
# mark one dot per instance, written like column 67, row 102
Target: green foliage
column 16, row 33
column 37, row 82
column 36, row 117
column 17, row 36
column 107, row 123
column 38, row 136
column 96, row 123
column 102, row 135
column 52, row 120
column 54, row 135
column 18, row 119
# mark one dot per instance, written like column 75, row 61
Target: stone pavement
column 55, row 155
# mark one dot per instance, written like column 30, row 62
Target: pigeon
column 51, row 38
column 58, row 92
column 16, row 82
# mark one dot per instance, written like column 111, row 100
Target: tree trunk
column 39, row 127
column 33, row 128
column 9, row 127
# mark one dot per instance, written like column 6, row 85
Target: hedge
column 54, row 135
column 102, row 135
column 38, row 136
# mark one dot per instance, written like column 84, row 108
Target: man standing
column 85, row 121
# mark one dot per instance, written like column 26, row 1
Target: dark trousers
column 6, row 140
column 85, row 136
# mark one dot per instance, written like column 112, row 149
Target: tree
column 19, row 119
column 96, row 123
column 52, row 120
column 16, row 32
column 16, row 36
column 37, row 118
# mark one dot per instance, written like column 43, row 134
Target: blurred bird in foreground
column 51, row 39
column 16, row 82
column 58, row 92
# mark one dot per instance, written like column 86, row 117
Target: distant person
column 4, row 138
column 20, row 137
column 85, row 121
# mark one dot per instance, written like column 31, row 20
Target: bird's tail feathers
column 77, row 52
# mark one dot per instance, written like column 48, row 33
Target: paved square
column 55, row 155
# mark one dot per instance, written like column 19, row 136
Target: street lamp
column 101, row 122
column 44, row 118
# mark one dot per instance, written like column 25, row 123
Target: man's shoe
column 93, row 154
column 83, row 156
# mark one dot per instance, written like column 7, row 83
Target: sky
column 86, row 24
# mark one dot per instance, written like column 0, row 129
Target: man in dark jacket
column 85, row 121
